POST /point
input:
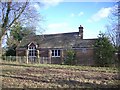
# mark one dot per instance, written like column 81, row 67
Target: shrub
column 70, row 58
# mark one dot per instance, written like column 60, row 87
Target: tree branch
column 7, row 14
column 23, row 8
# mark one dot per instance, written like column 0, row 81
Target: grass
column 97, row 69
column 16, row 75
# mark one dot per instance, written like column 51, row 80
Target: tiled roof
column 62, row 40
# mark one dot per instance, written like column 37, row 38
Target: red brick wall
column 56, row 60
column 82, row 57
column 43, row 52
column 21, row 52
column 85, row 58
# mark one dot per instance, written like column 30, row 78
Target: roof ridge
column 58, row 33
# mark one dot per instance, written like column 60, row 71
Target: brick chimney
column 81, row 32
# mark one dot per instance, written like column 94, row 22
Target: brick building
column 54, row 47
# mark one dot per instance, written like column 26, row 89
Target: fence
column 23, row 59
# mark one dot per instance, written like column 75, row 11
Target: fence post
column 38, row 56
column 10, row 59
column 5, row 58
column 50, row 56
column 27, row 52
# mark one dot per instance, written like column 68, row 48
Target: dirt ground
column 23, row 76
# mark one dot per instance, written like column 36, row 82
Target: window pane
column 35, row 53
column 55, row 52
column 29, row 53
column 58, row 52
column 32, row 51
column 52, row 52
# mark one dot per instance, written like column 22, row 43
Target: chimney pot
column 80, row 28
column 81, row 31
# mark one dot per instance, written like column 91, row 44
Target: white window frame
column 55, row 53
column 32, row 51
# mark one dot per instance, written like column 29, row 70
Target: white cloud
column 78, row 14
column 36, row 6
column 46, row 4
column 102, row 13
column 81, row 13
column 49, row 3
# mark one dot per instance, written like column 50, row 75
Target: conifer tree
column 104, row 51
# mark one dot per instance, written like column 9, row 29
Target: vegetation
column 16, row 75
column 11, row 11
column 113, row 25
column 118, row 54
column 104, row 51
column 113, row 28
column 70, row 58
column 17, row 33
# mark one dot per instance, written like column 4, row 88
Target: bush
column 10, row 52
column 70, row 58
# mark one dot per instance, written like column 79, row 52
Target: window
column 55, row 53
column 32, row 51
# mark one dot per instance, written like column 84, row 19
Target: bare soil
column 21, row 76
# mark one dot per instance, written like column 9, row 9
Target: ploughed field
column 16, row 75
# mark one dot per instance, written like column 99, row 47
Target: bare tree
column 113, row 29
column 12, row 11
column 25, row 12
